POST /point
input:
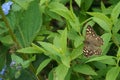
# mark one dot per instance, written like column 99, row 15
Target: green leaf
column 3, row 54
column 51, row 74
column 50, row 48
column 78, row 2
column 60, row 9
column 116, row 35
column 6, row 39
column 78, row 41
column 42, row 65
column 55, row 16
column 37, row 47
column 76, row 52
column 118, row 52
column 106, row 38
column 102, row 20
column 16, row 59
column 3, row 29
column 19, row 60
column 102, row 23
column 16, row 7
column 28, row 24
column 112, row 73
column 61, row 41
column 26, row 63
column 30, row 50
column 116, row 27
column 73, row 35
column 65, row 60
column 84, row 69
column 68, row 76
column 43, row 1
column 17, row 74
column 113, row 2
column 86, row 4
column 109, row 61
column 60, row 72
column 115, row 13
column 23, row 3
column 99, row 58
column 103, row 59
column 103, row 8
column 116, row 38
column 100, row 66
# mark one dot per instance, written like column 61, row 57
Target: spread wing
column 92, row 42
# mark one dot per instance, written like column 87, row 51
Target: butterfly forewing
column 92, row 42
column 92, row 37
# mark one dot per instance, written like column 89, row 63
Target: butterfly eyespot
column 92, row 42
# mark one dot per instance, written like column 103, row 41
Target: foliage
column 44, row 39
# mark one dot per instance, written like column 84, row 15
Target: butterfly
column 92, row 43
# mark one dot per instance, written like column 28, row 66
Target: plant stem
column 9, row 28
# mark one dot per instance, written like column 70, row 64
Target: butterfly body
column 92, row 42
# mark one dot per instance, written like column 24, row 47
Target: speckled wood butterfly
column 92, row 43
